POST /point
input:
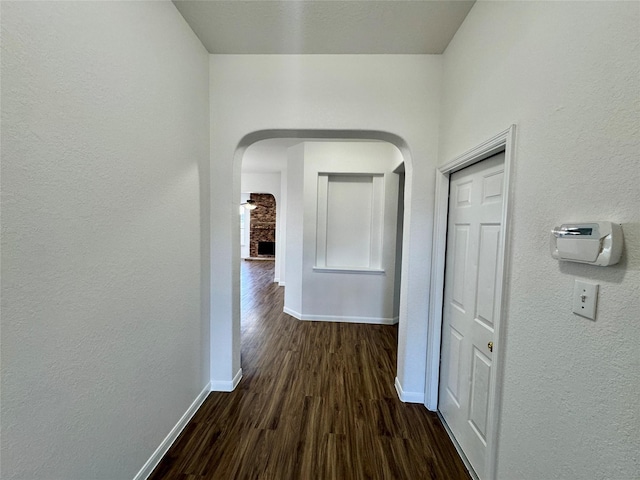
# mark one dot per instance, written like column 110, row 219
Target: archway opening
column 274, row 145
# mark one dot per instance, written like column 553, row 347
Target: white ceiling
column 324, row 26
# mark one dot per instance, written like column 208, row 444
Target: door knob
column 490, row 346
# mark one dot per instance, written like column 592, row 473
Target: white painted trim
column 486, row 149
column 408, row 397
column 377, row 221
column 236, row 379
column 322, row 216
column 504, row 141
column 434, row 327
column 164, row 446
column 225, row 385
column 365, row 271
column 276, row 280
column 376, row 227
column 281, row 284
column 338, row 318
column 293, row 313
column 342, row 319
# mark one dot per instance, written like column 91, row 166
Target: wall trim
column 408, row 397
column 341, row 319
column 336, row 318
column 164, row 446
column 293, row 313
column 357, row 270
column 504, row 141
column 281, row 284
column 225, row 385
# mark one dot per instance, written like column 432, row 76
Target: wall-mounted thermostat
column 595, row 243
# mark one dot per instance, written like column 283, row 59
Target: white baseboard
column 276, row 280
column 160, row 452
column 293, row 313
column 408, row 397
column 225, row 385
column 336, row 318
column 281, row 284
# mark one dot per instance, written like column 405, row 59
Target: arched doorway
column 230, row 354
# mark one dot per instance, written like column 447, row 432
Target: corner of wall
column 408, row 397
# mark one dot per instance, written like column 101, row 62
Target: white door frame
column 504, row 141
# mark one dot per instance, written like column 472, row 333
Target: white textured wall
column 568, row 75
column 294, row 229
column 104, row 137
column 355, row 295
column 396, row 94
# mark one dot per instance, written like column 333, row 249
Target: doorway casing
column 504, row 141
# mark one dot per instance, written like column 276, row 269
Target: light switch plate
column 585, row 299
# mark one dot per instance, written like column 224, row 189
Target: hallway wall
column 104, row 160
column 567, row 73
column 360, row 294
column 398, row 94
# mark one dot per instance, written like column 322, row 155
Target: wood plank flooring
column 316, row 401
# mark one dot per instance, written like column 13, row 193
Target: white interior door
column 476, row 198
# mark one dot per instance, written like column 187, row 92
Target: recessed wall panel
column 349, row 220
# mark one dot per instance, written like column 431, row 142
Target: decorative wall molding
column 360, row 245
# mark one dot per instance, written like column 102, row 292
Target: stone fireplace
column 262, row 229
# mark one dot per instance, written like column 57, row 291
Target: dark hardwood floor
column 316, row 401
